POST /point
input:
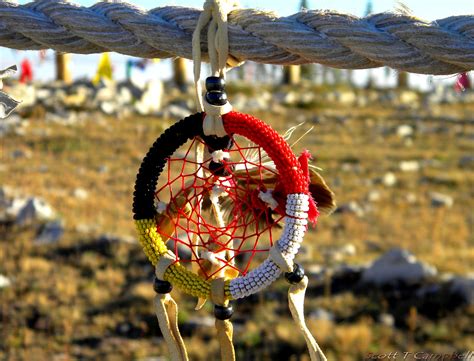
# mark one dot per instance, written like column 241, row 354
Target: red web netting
column 218, row 224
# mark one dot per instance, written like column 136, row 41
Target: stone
column 103, row 169
column 374, row 196
column 203, row 321
column 321, row 314
column 463, row 287
column 11, row 209
column 151, row 100
column 4, row 281
column 338, row 254
column 409, row 98
column 351, row 207
column 346, row 98
column 10, row 124
column 80, row 193
column 291, row 98
column 386, row 319
column 395, row 267
column 411, row 198
column 50, row 232
column 109, row 107
column 389, row 179
column 176, row 112
column 35, row 209
column 466, row 161
column 409, row 166
column 441, row 200
column 404, row 131
column 21, row 153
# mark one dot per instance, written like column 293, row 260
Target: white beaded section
column 257, row 279
column 297, row 205
column 301, row 215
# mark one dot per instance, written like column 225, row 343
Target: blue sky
column 84, row 65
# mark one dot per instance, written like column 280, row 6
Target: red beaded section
column 291, row 175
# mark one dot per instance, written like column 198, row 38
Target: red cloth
column 313, row 209
column 26, row 74
column 462, row 83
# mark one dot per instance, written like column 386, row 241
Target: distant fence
column 400, row 41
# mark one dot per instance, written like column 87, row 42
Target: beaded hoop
column 294, row 184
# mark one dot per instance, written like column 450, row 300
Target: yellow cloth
column 104, row 69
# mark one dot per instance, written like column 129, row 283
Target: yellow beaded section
column 176, row 274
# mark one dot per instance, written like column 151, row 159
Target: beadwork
column 294, row 184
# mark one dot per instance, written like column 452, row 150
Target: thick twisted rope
column 400, row 41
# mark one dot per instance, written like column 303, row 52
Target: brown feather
column 322, row 194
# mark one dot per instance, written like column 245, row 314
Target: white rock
column 51, row 232
column 4, row 281
column 397, row 265
column 409, row 166
column 176, row 112
column 404, row 131
column 35, row 209
column 80, row 193
column 291, row 98
column 441, row 200
column 13, row 208
column 389, row 179
column 151, row 99
column 373, row 196
column 387, row 319
column 348, row 249
column 346, row 98
column 408, row 97
column 321, row 314
column 411, row 198
column 351, row 207
column 108, row 107
column 205, row 321
column 108, row 92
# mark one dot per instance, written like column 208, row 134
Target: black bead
column 216, row 97
column 218, row 169
column 223, row 312
column 296, row 276
column 161, row 286
column 215, row 83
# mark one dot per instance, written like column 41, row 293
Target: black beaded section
column 161, row 286
column 223, row 312
column 215, row 83
column 155, row 160
column 296, row 276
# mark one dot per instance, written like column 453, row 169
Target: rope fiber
column 400, row 41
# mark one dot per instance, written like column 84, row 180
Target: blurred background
column 391, row 270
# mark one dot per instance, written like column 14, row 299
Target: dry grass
column 59, row 301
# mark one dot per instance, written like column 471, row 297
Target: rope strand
column 400, row 41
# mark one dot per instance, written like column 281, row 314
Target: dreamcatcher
column 222, row 204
